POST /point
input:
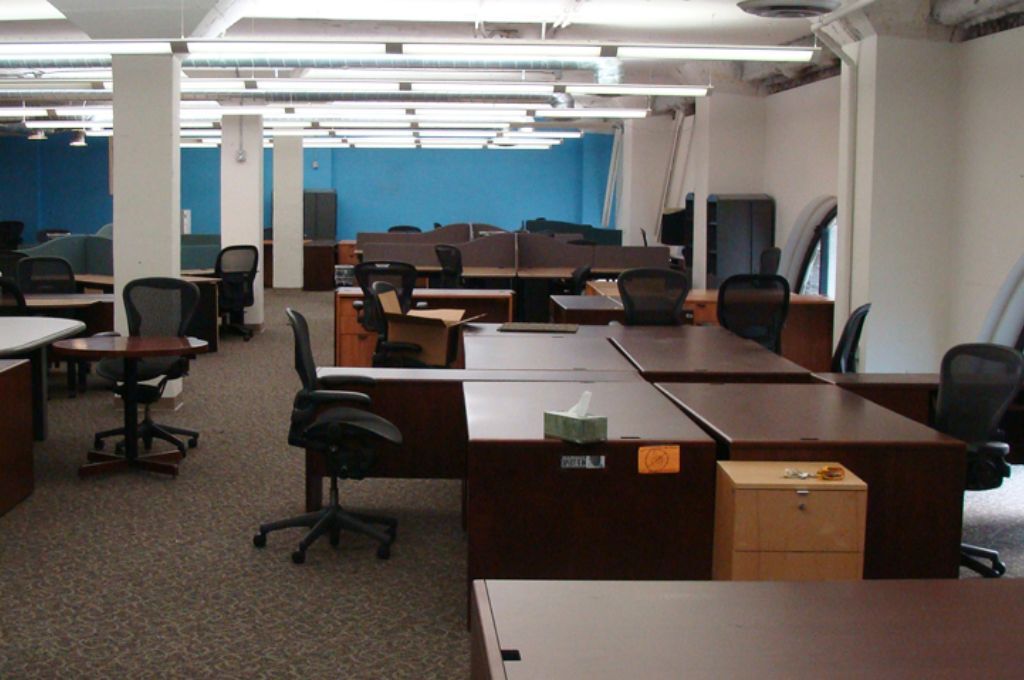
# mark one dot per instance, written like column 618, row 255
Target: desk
column 427, row 406
column 96, row 310
column 806, row 337
column 16, row 472
column 542, row 352
column 29, row 336
column 207, row 317
column 354, row 345
column 132, row 349
column 530, row 517
column 915, row 475
column 585, row 309
column 705, row 354
column 910, row 394
column 866, row 629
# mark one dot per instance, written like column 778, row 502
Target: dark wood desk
column 530, row 514
column 427, row 406
column 585, row 309
column 603, row 630
column 704, row 354
column 542, row 352
column 910, row 394
column 354, row 345
column 915, row 475
column 95, row 310
column 17, row 479
column 131, row 349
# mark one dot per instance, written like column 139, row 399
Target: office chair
column 845, row 358
column 401, row 275
column 9, row 260
column 344, row 436
column 10, row 234
column 977, row 383
column 236, row 269
column 404, row 229
column 387, row 353
column 576, row 284
column 770, row 258
column 653, row 297
column 52, row 275
column 754, row 306
column 450, row 258
column 12, row 302
column 155, row 306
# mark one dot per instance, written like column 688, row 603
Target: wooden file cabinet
column 769, row 528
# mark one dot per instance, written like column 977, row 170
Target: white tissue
column 582, row 407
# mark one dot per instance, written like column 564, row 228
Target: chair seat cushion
column 336, row 425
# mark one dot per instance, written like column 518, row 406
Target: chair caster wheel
column 384, row 552
column 999, row 568
column 259, row 540
column 193, row 442
column 299, row 556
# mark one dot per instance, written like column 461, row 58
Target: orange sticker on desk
column 658, row 460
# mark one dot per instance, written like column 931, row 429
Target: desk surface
column 859, row 629
column 19, row 334
column 130, row 347
column 881, row 380
column 434, row 293
column 705, row 354
column 69, row 301
column 530, row 351
column 107, row 280
column 457, row 375
column 503, row 411
column 703, row 295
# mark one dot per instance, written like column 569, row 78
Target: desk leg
column 39, row 374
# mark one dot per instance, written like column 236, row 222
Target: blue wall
column 49, row 184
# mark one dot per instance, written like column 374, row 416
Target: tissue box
column 576, row 429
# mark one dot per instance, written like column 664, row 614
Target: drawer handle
column 803, row 492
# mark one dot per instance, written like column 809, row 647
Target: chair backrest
column 45, row 275
column 305, row 366
column 9, row 263
column 12, row 302
column 159, row 305
column 977, row 383
column 845, row 358
column 770, row 258
column 236, row 268
column 652, row 296
column 401, row 275
column 375, row 309
column 404, row 229
column 450, row 258
column 10, row 234
column 754, row 306
column 578, row 281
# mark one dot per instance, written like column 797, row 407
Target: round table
column 131, row 349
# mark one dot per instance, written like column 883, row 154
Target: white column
column 288, row 169
column 146, row 172
column 646, row 149
column 241, row 194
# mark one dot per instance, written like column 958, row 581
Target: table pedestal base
column 104, row 463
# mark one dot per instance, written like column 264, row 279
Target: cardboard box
column 434, row 330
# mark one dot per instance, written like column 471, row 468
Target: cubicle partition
column 497, row 250
column 539, row 253
column 616, row 259
column 450, row 234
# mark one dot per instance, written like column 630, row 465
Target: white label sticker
column 583, row 462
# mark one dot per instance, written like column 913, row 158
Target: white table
column 29, row 336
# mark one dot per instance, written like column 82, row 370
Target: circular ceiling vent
column 788, row 9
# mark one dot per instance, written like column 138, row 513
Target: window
column 818, row 272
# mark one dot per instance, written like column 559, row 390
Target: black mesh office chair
column 401, row 275
column 754, row 306
column 450, row 258
column 653, row 297
column 387, row 353
column 10, row 234
column 770, row 258
column 12, row 302
column 155, row 306
column 404, row 229
column 845, row 358
column 236, row 269
column 9, row 260
column 38, row 275
column 977, row 383
column 323, row 423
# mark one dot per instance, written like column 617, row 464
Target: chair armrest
column 331, row 381
column 986, row 465
column 990, row 449
column 334, row 396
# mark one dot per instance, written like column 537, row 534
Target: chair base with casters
column 986, row 469
column 148, row 430
column 971, row 556
column 233, row 323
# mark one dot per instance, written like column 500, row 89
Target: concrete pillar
column 241, row 194
column 288, row 168
column 146, row 172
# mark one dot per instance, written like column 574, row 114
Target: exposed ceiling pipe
column 53, row 96
column 221, row 17
column 956, row 12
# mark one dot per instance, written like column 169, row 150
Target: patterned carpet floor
column 138, row 576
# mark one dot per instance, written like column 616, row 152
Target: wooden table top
column 130, row 347
column 356, row 292
column 706, row 353
column 797, row 416
column 504, row 411
column 703, row 295
column 530, row 351
column 881, row 380
column 459, row 375
column 663, row 629
column 586, row 302
column 107, row 280
column 19, row 334
column 67, row 301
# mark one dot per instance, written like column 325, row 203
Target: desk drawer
column 348, row 317
column 779, row 520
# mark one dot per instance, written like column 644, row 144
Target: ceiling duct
column 788, row 9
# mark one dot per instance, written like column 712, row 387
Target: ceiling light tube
column 71, row 50
column 592, row 113
column 307, row 132
column 648, row 90
column 549, row 134
column 21, row 112
column 305, row 85
column 63, row 124
column 281, row 49
column 717, row 52
column 503, row 51
column 483, row 88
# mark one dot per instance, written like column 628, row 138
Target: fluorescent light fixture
column 94, row 113
column 547, row 134
column 306, row 85
column 592, row 113
column 464, row 124
column 442, row 134
column 71, row 50
column 281, row 49
column 28, row 10
column 201, row 133
column 21, row 112
column 402, row 134
column 519, row 147
column 37, row 135
column 531, row 51
column 199, row 145
column 535, row 141
column 307, row 132
column 717, row 52
column 211, row 84
column 99, row 132
column 380, row 145
column 63, row 124
column 648, row 90
column 468, row 88
column 216, row 113
column 415, row 75
column 78, row 139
